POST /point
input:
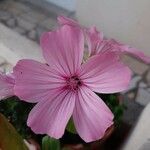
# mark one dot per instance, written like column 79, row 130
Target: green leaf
column 49, row 143
column 70, row 127
column 9, row 138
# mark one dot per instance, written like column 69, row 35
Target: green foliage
column 49, row 143
column 9, row 138
column 70, row 126
column 17, row 112
column 115, row 104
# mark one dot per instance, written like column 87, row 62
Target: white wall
column 125, row 20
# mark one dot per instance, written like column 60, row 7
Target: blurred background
column 23, row 21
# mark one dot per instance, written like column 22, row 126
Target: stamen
column 73, row 82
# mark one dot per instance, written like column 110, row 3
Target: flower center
column 73, row 82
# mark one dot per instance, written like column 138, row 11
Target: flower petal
column 103, row 73
column 91, row 116
column 6, row 86
column 138, row 54
column 94, row 38
column 62, row 20
column 51, row 117
column 125, row 49
column 36, row 81
column 63, row 49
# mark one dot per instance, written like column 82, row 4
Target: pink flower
column 113, row 45
column 96, row 43
column 94, row 40
column 6, row 85
column 64, row 86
